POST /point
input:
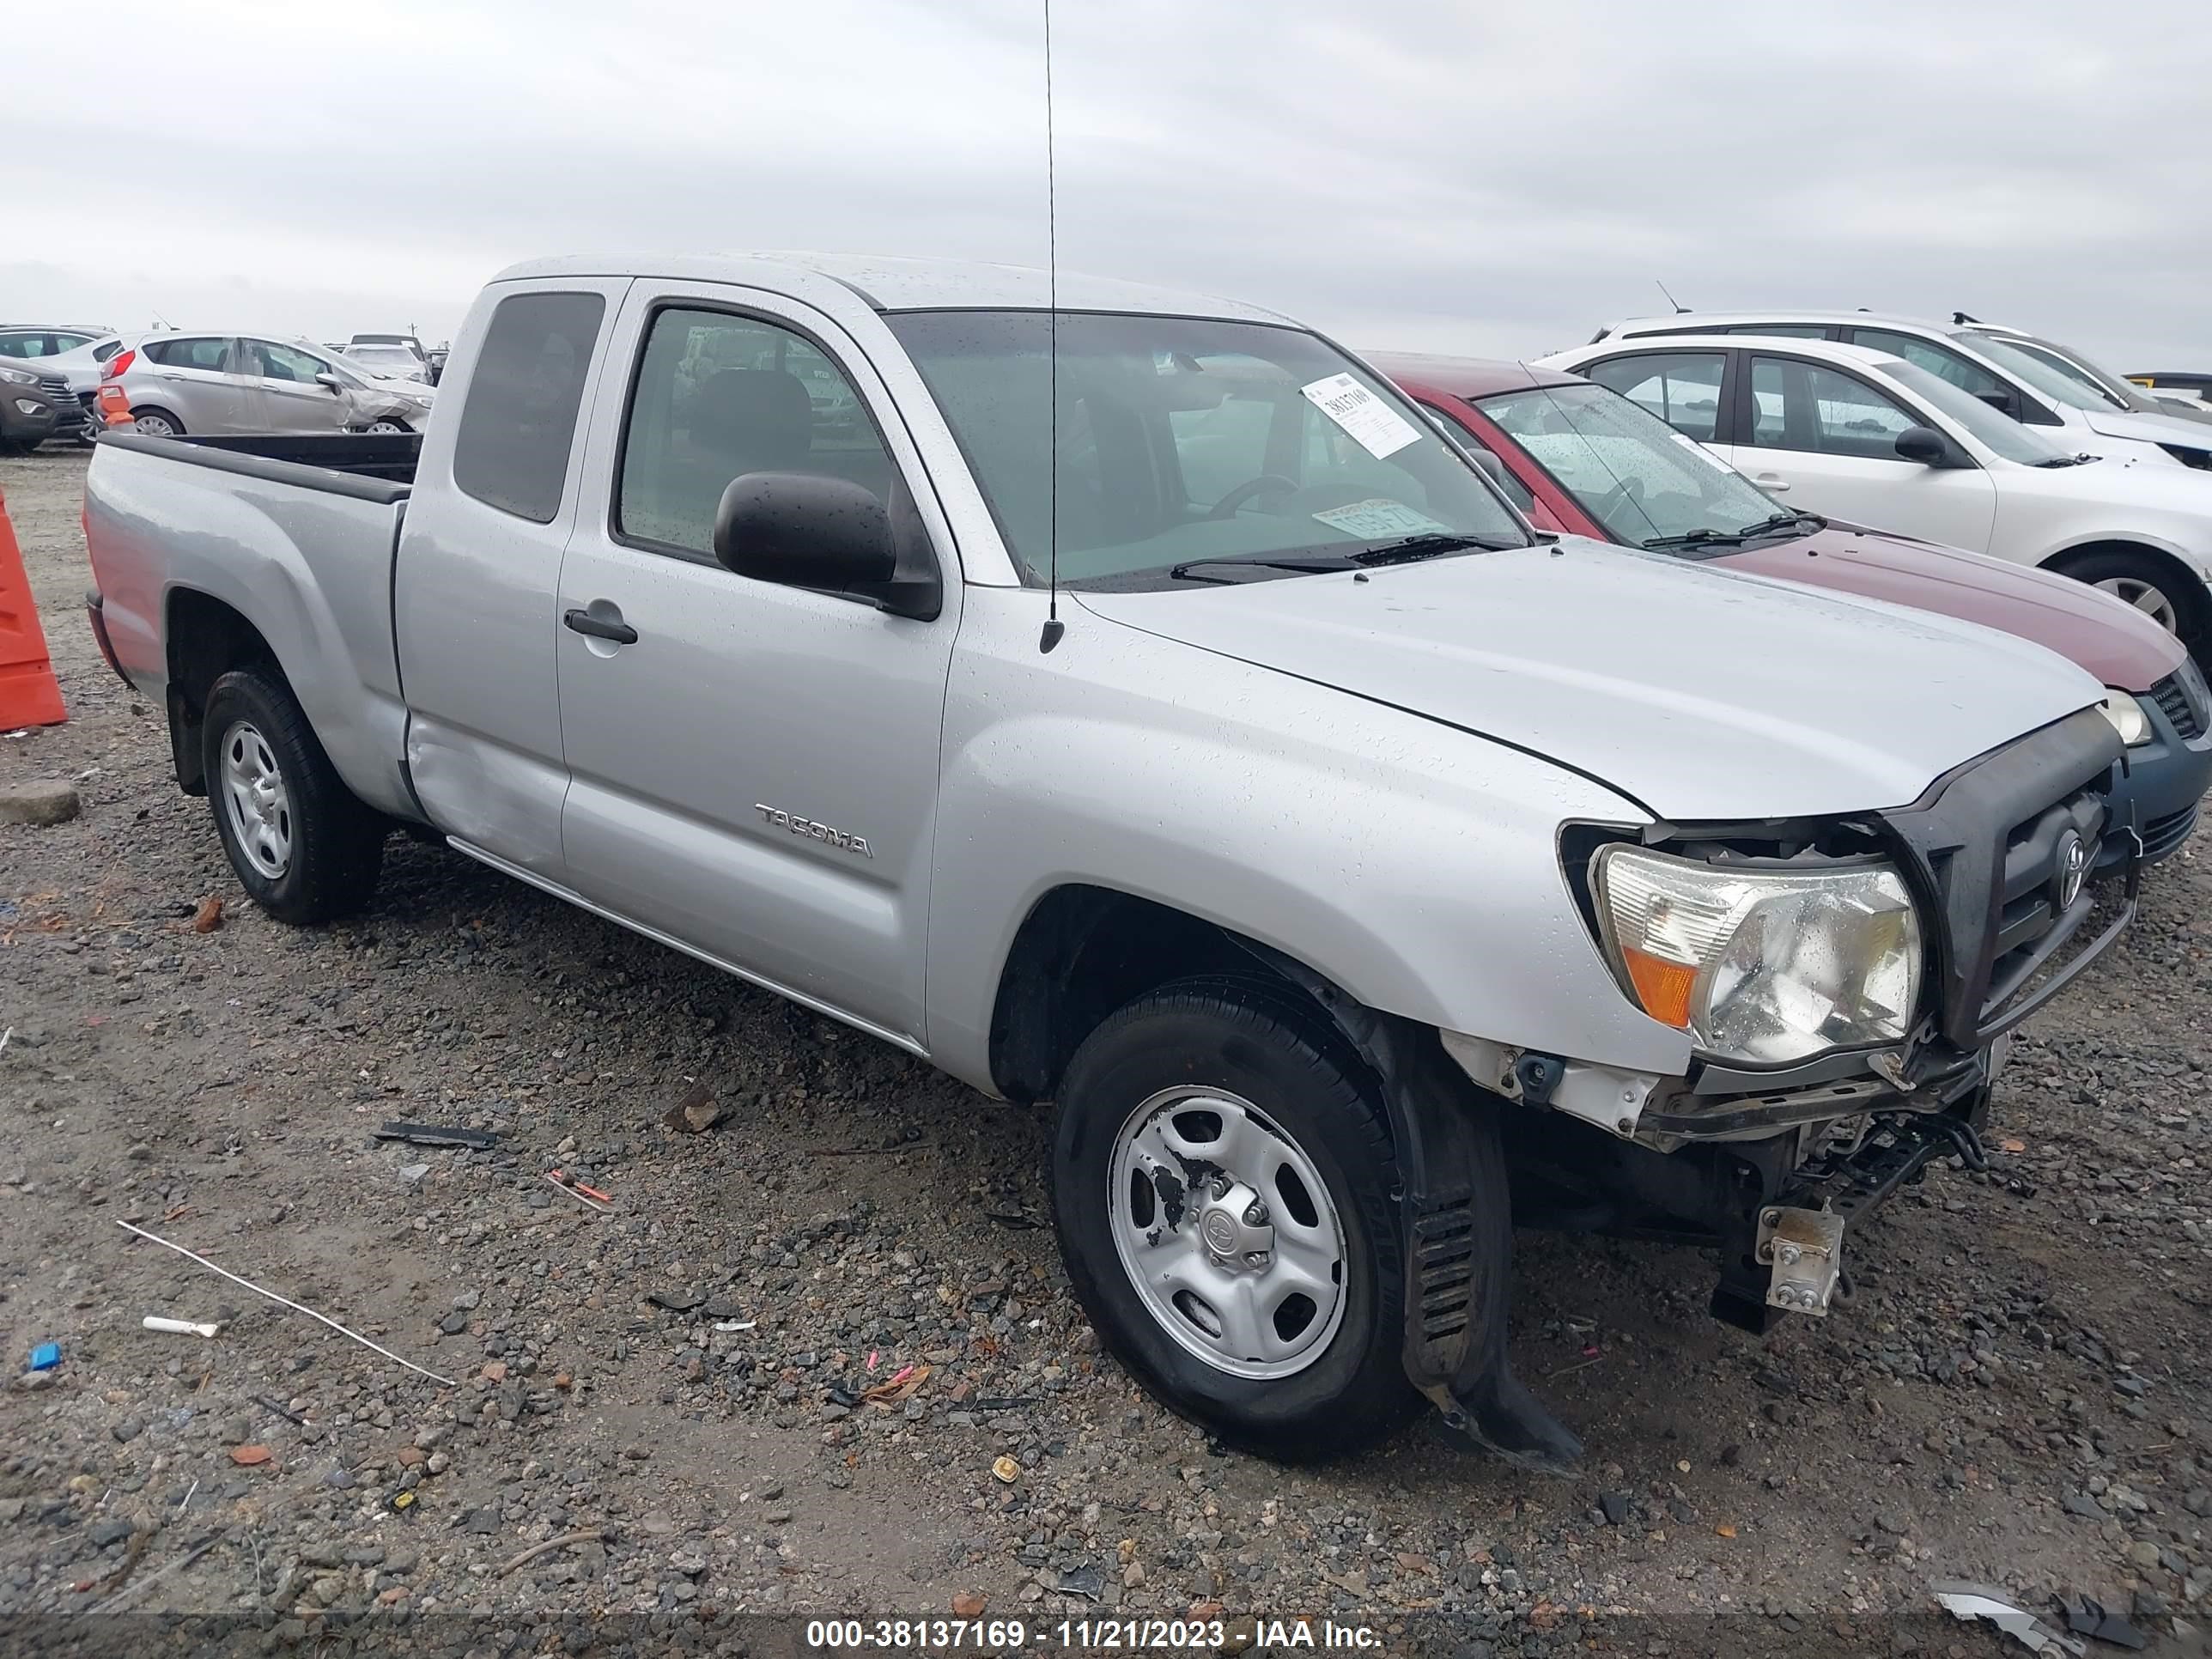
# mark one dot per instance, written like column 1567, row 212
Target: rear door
column 1682, row 388
column 196, row 377
column 291, row 398
column 753, row 768
column 1824, row 440
column 479, row 565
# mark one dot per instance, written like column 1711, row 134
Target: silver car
column 215, row 383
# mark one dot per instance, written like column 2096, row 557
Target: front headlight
column 17, row 376
column 1762, row 966
column 2127, row 716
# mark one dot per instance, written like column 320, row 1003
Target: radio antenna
column 1053, row 628
column 1680, row 310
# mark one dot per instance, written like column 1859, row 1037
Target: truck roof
column 891, row 282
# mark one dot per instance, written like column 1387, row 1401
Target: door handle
column 1772, row 485
column 583, row 622
column 168, row 377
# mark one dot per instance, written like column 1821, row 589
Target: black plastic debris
column 2087, row 1616
column 433, row 1134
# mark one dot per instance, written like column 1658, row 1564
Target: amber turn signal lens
column 1663, row 987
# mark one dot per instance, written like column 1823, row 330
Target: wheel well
column 2186, row 581
column 1084, row 951
column 206, row 639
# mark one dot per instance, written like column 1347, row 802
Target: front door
column 292, row 398
column 753, row 768
column 1826, row 440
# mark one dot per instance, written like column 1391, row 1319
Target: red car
column 1580, row 458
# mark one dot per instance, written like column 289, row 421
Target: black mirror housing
column 1924, row 444
column 803, row 530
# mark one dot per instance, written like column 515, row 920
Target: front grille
column 2180, row 697
column 2162, row 835
column 69, row 414
column 1996, row 846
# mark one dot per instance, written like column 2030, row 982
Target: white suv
column 1871, row 439
column 2022, row 383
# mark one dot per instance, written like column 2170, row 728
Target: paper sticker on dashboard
column 1371, row 423
column 1378, row 518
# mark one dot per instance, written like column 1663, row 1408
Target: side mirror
column 330, row 382
column 2000, row 401
column 1489, row 462
column 804, row 530
column 1923, row 444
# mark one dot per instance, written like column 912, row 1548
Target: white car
column 2022, row 383
column 2115, row 391
column 1871, row 439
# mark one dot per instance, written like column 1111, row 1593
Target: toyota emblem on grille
column 2073, row 866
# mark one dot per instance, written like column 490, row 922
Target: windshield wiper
column 2066, row 460
column 1704, row 538
column 1431, row 544
column 1315, row 564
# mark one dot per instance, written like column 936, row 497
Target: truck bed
column 369, row 466
column 295, row 536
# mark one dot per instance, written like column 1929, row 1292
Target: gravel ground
column 701, row 1390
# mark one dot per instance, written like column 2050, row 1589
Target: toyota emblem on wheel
column 2073, row 866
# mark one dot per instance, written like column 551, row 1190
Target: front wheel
column 1223, row 1180
column 303, row 845
column 2173, row 599
column 388, row 426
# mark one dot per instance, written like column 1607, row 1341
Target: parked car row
column 173, row 382
column 1365, row 846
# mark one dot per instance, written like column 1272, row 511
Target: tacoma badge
column 812, row 830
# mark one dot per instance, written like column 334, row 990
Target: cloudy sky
column 1464, row 175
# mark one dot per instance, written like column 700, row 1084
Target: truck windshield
column 1645, row 482
column 1189, row 447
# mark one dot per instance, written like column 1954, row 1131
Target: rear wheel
column 304, row 846
column 1223, row 1182
column 156, row 423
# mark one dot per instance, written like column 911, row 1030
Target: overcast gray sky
column 1452, row 174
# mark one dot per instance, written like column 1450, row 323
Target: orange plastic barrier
column 28, row 694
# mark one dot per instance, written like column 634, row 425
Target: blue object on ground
column 45, row 1356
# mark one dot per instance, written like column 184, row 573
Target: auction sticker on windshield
column 1378, row 518
column 1373, row 424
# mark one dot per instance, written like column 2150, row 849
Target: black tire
column 2192, row 611
column 151, row 412
column 1263, row 1045
column 336, row 842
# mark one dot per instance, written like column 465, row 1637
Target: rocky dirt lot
column 821, row 1358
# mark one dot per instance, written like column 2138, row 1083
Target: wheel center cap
column 1236, row 1227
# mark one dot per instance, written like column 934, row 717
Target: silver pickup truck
column 1360, row 872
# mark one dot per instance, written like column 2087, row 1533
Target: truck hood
column 2111, row 640
column 2148, row 428
column 1699, row 693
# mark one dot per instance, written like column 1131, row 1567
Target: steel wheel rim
column 154, row 426
column 1256, row 1298
column 386, row 426
column 2146, row 597
column 259, row 804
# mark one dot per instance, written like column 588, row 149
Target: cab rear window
column 519, row 420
